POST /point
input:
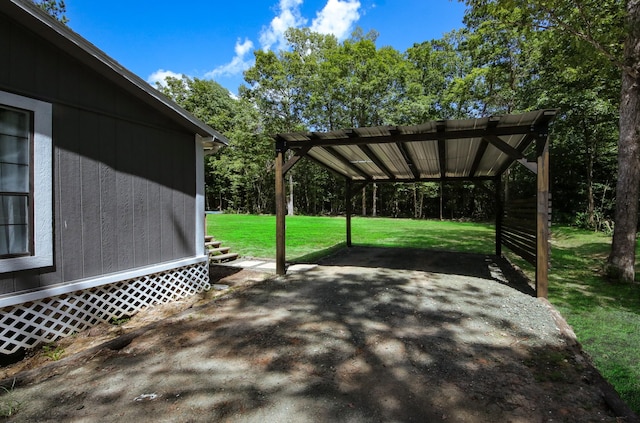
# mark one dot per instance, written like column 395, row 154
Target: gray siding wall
column 124, row 176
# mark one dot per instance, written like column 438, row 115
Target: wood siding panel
column 90, row 196
column 27, row 280
column 22, row 66
column 154, row 190
column 180, row 240
column 124, row 198
column 70, row 218
column 167, row 226
column 7, row 284
column 140, row 199
column 189, row 194
column 5, row 46
column 108, row 206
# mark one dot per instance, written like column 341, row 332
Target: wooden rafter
column 526, row 141
column 375, row 159
column 346, row 162
column 302, row 152
column 408, row 160
column 482, row 149
column 479, row 155
column 442, row 148
column 513, row 153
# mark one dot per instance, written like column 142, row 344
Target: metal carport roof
column 467, row 149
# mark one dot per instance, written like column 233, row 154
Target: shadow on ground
column 483, row 266
column 349, row 341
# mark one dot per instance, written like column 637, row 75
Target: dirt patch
column 357, row 339
column 225, row 280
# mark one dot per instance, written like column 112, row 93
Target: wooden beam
column 346, row 162
column 479, row 155
column 435, row 179
column 372, row 156
column 542, row 216
column 442, row 148
column 526, row 141
column 408, row 160
column 394, row 137
column 442, row 158
column 507, row 149
column 280, row 215
column 331, row 170
column 302, row 152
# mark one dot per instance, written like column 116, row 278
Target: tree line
column 496, row 64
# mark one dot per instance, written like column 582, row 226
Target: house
column 101, row 186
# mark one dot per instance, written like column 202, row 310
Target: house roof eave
column 32, row 17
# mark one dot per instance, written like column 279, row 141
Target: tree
column 438, row 65
column 612, row 29
column 621, row 263
column 55, row 8
column 237, row 177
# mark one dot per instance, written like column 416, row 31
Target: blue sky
column 216, row 38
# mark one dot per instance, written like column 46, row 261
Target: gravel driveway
column 371, row 335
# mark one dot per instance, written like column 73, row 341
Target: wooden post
column 348, row 210
column 280, row 214
column 499, row 215
column 542, row 216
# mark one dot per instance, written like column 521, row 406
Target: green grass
column 604, row 316
column 9, row 406
column 310, row 237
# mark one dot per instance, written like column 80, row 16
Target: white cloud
column 161, row 75
column 337, row 18
column 243, row 48
column 238, row 64
column 288, row 17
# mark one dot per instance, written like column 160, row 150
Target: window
column 26, row 215
column 15, row 180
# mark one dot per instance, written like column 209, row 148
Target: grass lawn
column 605, row 316
column 311, row 237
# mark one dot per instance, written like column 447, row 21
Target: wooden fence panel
column 519, row 227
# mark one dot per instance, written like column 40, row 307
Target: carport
column 437, row 151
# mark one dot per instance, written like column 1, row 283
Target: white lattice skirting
column 28, row 324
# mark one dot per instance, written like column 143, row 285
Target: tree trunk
column 622, row 258
column 591, row 157
column 374, row 211
column 364, row 201
column 290, row 202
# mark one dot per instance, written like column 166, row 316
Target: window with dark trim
column 26, row 175
column 16, row 196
